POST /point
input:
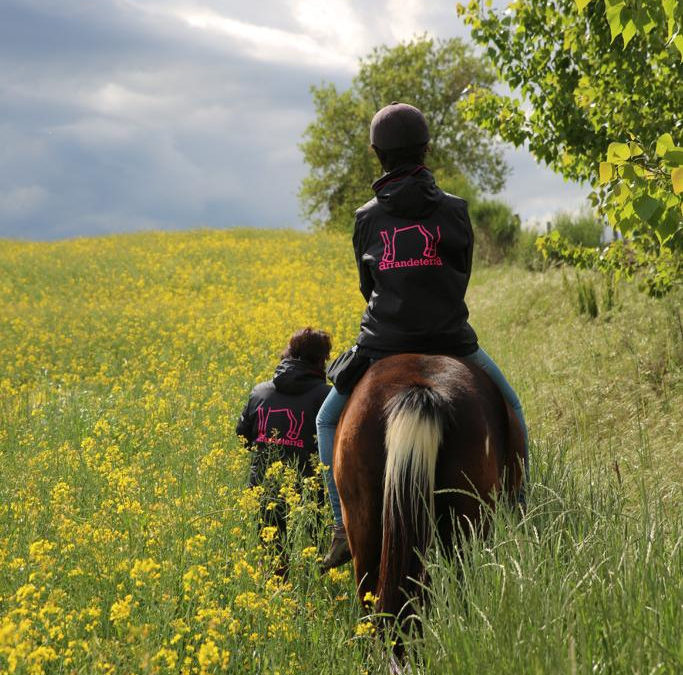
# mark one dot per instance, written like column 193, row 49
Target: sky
column 123, row 115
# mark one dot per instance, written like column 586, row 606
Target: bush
column 583, row 229
column 496, row 230
column 526, row 252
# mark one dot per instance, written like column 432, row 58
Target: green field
column 128, row 543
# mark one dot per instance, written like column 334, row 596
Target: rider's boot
column 339, row 552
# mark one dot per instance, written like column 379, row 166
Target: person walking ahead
column 278, row 421
column 413, row 245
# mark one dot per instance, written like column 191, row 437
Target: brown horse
column 424, row 442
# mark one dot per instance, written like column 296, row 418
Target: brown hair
column 310, row 345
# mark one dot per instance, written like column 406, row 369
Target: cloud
column 270, row 44
column 536, row 193
column 21, row 201
column 334, row 22
column 127, row 114
column 404, row 18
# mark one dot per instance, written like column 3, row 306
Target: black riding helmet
column 398, row 125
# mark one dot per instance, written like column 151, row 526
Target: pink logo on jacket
column 293, row 425
column 429, row 252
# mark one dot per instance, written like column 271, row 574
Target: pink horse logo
column 295, row 424
column 431, row 241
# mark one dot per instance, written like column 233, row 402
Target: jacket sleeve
column 245, row 423
column 366, row 282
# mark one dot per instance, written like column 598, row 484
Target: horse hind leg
column 470, row 481
column 364, row 528
column 365, row 540
column 358, row 471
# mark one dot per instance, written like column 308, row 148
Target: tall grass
column 580, row 584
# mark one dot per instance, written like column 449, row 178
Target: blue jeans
column 331, row 410
column 326, row 424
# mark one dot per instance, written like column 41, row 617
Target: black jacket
column 278, row 420
column 413, row 245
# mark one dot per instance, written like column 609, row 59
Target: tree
column 601, row 100
column 434, row 76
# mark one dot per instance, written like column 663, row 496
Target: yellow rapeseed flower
column 268, row 533
column 120, row 610
column 125, row 362
column 339, row 576
column 145, row 572
column 208, row 656
column 309, row 552
column 365, row 628
column 166, row 657
column 370, row 598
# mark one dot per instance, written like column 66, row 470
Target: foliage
column 602, row 80
column 129, row 544
column 431, row 75
column 589, row 300
column 583, row 229
column 526, row 252
column 621, row 258
column 496, row 229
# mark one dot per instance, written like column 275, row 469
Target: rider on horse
column 413, row 245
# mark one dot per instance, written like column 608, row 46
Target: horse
column 424, row 447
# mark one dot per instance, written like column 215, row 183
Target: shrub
column 496, row 229
column 583, row 229
column 526, row 252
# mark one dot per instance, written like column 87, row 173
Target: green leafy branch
column 643, row 190
column 629, row 18
column 658, row 269
column 598, row 109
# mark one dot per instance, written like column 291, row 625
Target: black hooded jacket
column 413, row 245
column 278, row 420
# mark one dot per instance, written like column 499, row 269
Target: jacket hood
column 295, row 376
column 409, row 191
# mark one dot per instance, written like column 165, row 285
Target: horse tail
column 414, row 431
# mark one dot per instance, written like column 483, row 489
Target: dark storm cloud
column 118, row 120
column 119, row 115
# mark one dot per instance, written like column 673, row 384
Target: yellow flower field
column 128, row 540
column 128, row 543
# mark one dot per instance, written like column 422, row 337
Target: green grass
column 608, row 388
column 581, row 584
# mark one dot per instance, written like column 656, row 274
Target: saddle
column 349, row 367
